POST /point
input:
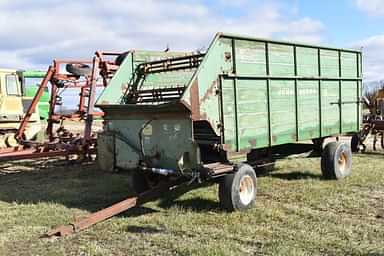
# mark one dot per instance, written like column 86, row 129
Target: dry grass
column 297, row 213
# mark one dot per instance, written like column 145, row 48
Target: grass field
column 297, row 213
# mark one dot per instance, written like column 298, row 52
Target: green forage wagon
column 222, row 114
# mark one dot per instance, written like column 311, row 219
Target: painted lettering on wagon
column 301, row 92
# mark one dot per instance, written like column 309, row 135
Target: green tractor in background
column 30, row 82
column 16, row 95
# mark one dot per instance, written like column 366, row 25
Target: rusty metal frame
column 181, row 184
column 106, row 213
column 374, row 127
column 63, row 142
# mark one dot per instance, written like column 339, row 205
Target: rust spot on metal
column 114, row 209
column 124, row 87
column 195, row 101
column 211, row 91
column 218, row 168
column 227, row 147
column 227, row 56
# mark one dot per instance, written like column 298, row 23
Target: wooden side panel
column 252, row 109
column 281, row 60
column 283, row 113
column 349, row 64
column 282, row 93
column 307, row 61
column 308, row 109
column 329, row 60
column 229, row 113
column 250, row 58
column 349, row 108
column 330, row 109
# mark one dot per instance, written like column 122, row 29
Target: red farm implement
column 84, row 76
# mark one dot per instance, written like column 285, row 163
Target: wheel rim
column 343, row 161
column 10, row 140
column 247, row 190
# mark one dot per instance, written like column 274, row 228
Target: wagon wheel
column 139, row 182
column 237, row 191
column 318, row 143
column 10, row 140
column 336, row 161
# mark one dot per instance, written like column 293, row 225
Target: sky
column 33, row 32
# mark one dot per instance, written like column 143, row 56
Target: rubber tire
column 229, row 196
column 79, row 69
column 318, row 144
column 355, row 142
column 119, row 59
column 329, row 161
column 138, row 182
column 10, row 140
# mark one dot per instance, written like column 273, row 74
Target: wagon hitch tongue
column 104, row 214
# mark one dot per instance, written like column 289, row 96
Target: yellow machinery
column 13, row 105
